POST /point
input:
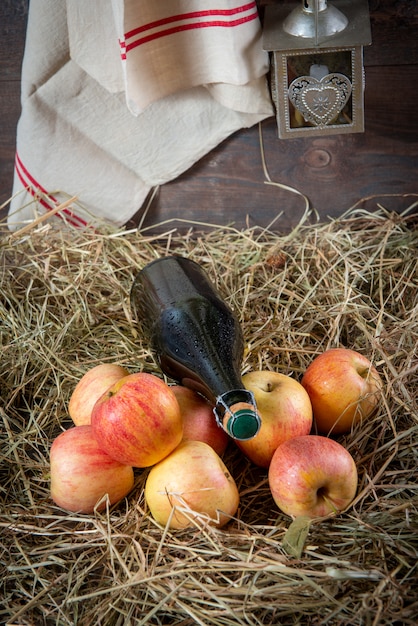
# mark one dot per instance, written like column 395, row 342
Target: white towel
column 121, row 96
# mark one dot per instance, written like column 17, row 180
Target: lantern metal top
column 315, row 19
column 298, row 26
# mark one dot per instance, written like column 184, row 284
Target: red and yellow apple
column 285, row 410
column 191, row 482
column 344, row 388
column 137, row 421
column 199, row 423
column 89, row 389
column 313, row 476
column 82, row 474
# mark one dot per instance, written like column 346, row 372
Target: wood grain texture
column 13, row 17
column 228, row 185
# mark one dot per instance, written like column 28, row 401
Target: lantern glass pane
column 320, row 89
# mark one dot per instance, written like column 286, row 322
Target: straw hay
column 64, row 308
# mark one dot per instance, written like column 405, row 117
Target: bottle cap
column 243, row 424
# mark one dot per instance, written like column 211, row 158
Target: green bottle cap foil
column 243, row 424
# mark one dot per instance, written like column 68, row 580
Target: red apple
column 199, row 423
column 191, row 482
column 285, row 410
column 82, row 474
column 312, row 475
column 89, row 389
column 138, row 421
column 344, row 388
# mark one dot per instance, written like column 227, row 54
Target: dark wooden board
column 13, row 17
column 334, row 172
column 10, row 111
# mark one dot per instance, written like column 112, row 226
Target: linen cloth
column 120, row 96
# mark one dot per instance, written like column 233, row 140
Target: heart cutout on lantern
column 320, row 101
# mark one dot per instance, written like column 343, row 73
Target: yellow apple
column 89, row 389
column 285, row 410
column 344, row 388
column 82, row 474
column 199, row 423
column 137, row 421
column 313, row 476
column 191, row 482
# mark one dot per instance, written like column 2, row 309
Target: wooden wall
column 227, row 186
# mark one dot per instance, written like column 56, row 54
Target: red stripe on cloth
column 31, row 190
column 32, row 180
column 185, row 27
column 47, row 200
column 122, row 49
column 189, row 16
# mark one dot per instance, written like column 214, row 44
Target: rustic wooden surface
column 228, row 185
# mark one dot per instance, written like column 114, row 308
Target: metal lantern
column 317, row 74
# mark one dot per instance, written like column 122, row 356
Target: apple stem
column 364, row 372
column 329, row 503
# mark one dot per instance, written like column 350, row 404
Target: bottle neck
column 236, row 412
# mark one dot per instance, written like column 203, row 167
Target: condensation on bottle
column 196, row 337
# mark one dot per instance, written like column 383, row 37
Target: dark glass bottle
column 196, row 337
